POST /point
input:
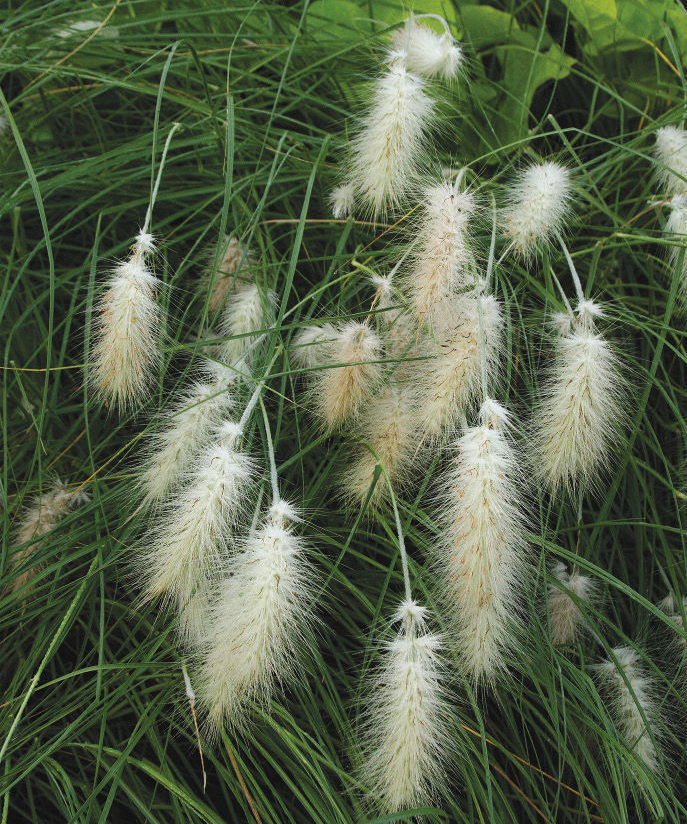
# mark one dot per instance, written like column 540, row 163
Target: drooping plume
column 582, row 406
column 181, row 556
column 247, row 312
column 537, row 203
column 440, row 263
column 36, row 521
column 258, row 628
column 235, row 265
column 565, row 618
column 388, row 426
column 628, row 703
column 428, row 54
column 173, row 446
column 406, row 721
column 447, row 377
column 482, row 558
column 388, row 147
column 671, row 159
column 125, row 348
column 339, row 391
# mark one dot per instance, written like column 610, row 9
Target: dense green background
column 93, row 724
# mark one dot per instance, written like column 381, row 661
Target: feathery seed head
column 561, row 322
column 565, row 617
column 388, row 148
column 439, row 265
column 144, row 244
column 580, row 412
column 405, row 723
column 245, row 314
column 588, row 311
column 339, row 392
column 493, row 414
column 342, row 200
column 258, row 627
column 481, row 560
column 229, row 434
column 537, row 205
column 629, row 704
column 427, row 53
column 671, row 159
column 236, row 265
column 282, row 511
column 311, row 345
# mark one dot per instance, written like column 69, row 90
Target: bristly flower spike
column 565, row 618
column 259, row 627
column 429, row 54
column 235, row 264
column 671, row 159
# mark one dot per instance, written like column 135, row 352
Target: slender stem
column 573, row 270
column 149, row 212
column 482, row 340
column 270, row 450
column 492, row 245
column 248, row 411
column 459, row 179
column 562, row 291
column 434, row 17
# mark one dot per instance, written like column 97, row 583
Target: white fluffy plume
column 580, row 412
column 482, row 558
column 42, row 515
column 258, row 627
column 387, row 149
column 406, row 722
column 676, row 226
column 235, row 264
column 387, row 425
column 126, row 331
column 428, row 54
column 565, row 618
column 628, row 703
column 200, row 408
column 342, row 200
column 440, row 262
column 181, row 556
column 310, row 345
column 448, row 375
column 671, row 159
column 338, row 392
column 537, row 204
column 247, row 312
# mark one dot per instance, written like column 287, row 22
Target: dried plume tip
column 482, row 558
column 427, row 53
column 537, row 203
column 388, row 426
column 388, row 148
column 258, row 628
column 633, row 699
column 439, row 267
column 181, row 556
column 41, row 516
column 235, row 266
column 671, row 159
column 581, row 410
column 565, row 618
column 125, row 350
column 339, row 391
column 406, row 722
column 247, row 312
column 447, row 376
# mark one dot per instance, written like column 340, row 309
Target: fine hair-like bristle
column 439, row 266
column 429, row 54
column 176, row 442
column 537, row 203
column 482, row 557
column 247, row 311
column 258, row 627
column 580, row 412
column 406, row 746
column 629, row 700
column 180, row 558
column 388, row 426
column 676, row 226
column 311, row 344
column 338, row 392
column 565, row 618
column 447, row 377
column 342, row 200
column 37, row 519
column 127, row 325
column 235, row 265
column 388, row 148
column 671, row 159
